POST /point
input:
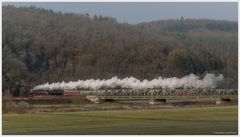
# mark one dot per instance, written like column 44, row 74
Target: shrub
column 11, row 106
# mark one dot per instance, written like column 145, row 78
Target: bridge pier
column 157, row 101
column 223, row 101
column 97, row 100
column 94, row 99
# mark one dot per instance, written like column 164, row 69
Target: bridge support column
column 223, row 101
column 218, row 102
column 157, row 101
column 94, row 99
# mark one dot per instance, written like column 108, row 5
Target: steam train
column 61, row 92
column 130, row 92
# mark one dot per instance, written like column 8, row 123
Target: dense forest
column 40, row 45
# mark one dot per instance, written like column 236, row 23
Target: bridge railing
column 165, row 92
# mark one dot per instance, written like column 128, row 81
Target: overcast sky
column 144, row 12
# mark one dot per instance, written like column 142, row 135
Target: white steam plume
column 190, row 81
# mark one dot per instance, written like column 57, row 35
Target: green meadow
column 205, row 120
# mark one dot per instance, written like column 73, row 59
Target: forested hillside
column 41, row 46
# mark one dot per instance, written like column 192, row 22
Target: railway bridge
column 162, row 95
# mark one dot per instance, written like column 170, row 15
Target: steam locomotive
column 43, row 93
column 53, row 93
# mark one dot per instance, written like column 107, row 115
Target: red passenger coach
column 71, row 93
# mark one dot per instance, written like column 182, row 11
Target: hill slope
column 41, row 46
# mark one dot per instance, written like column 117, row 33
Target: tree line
column 40, row 46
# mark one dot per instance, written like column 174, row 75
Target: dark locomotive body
column 45, row 93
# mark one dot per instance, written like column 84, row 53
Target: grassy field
column 208, row 120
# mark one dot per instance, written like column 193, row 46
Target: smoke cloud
column 190, row 81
